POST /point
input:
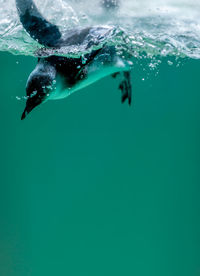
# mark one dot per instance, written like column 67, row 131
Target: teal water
column 91, row 187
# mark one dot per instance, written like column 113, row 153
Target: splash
column 153, row 28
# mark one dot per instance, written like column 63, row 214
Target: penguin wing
column 36, row 25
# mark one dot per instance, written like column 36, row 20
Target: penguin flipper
column 36, row 25
column 125, row 87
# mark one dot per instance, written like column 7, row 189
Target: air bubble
column 170, row 62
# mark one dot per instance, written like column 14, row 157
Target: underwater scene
column 90, row 186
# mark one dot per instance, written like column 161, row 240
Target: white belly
column 95, row 72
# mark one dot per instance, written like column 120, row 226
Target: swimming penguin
column 56, row 77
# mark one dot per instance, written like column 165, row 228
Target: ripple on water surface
column 140, row 27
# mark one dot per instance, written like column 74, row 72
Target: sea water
column 89, row 186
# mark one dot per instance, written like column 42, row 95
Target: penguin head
column 39, row 87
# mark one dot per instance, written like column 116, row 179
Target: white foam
column 159, row 27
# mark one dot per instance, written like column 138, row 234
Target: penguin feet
column 125, row 87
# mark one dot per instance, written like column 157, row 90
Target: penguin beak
column 31, row 103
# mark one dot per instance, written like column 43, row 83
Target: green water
column 90, row 187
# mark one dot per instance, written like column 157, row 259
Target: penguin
column 56, row 77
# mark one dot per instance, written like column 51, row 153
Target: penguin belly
column 94, row 72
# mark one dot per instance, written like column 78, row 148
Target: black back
column 73, row 70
